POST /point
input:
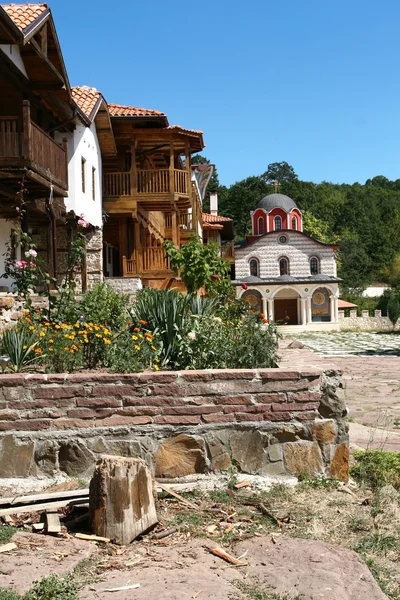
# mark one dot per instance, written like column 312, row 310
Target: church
column 283, row 272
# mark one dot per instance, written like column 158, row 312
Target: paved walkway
column 372, row 386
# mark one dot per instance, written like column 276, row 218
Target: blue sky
column 312, row 82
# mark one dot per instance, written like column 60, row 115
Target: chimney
column 214, row 203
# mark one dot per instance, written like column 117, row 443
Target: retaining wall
column 365, row 322
column 265, row 421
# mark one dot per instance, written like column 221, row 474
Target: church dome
column 277, row 201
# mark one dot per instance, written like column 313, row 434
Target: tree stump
column 121, row 499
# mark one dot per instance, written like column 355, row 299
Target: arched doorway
column 286, row 307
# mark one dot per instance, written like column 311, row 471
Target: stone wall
column 124, row 285
column 365, row 322
column 266, row 421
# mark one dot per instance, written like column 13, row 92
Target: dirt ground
column 301, row 550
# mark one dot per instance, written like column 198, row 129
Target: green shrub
column 6, row 533
column 6, row 594
column 53, row 587
column 376, row 468
column 132, row 351
column 21, row 346
column 103, row 305
column 378, row 543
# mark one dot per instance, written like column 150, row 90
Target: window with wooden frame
column 93, row 183
column 284, row 266
column 294, row 222
column 278, row 223
column 83, row 172
column 314, row 265
column 260, row 226
column 254, row 267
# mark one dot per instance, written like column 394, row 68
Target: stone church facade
column 283, row 272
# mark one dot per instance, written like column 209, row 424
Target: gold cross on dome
column 276, row 186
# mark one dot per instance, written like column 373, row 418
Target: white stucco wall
column 298, row 249
column 83, row 143
column 12, row 52
column 5, row 232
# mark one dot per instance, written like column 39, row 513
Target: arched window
column 278, row 223
column 254, row 267
column 314, row 265
column 283, row 266
column 260, row 226
column 294, row 223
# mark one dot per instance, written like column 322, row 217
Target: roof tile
column 207, row 218
column 86, row 98
column 119, row 110
column 24, row 15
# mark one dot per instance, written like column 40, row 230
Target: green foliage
column 378, row 543
column 53, row 587
column 165, row 314
column 376, row 468
column 133, row 352
column 6, row 533
column 281, row 172
column 6, row 594
column 317, row 482
column 103, row 305
column 316, row 228
column 199, row 265
column 393, row 308
column 21, row 347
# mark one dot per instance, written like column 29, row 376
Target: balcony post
column 133, row 190
column 26, row 115
column 171, row 170
column 65, row 148
column 138, row 247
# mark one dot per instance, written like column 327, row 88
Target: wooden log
column 121, row 499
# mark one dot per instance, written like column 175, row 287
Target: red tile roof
column 24, row 15
column 345, row 304
column 183, row 130
column 207, row 218
column 119, row 110
column 212, row 226
column 86, row 98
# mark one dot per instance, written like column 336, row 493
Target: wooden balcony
column 228, row 251
column 27, row 147
column 185, row 222
column 146, row 183
column 146, row 262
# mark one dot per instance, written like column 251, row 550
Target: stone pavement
column 372, row 380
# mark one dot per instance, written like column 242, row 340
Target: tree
column 316, row 228
column 281, row 172
column 393, row 308
column 199, row 265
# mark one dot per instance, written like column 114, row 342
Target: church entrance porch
column 286, row 311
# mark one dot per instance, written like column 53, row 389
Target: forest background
column 362, row 219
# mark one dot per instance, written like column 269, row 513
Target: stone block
column 46, row 457
column 275, row 453
column 180, row 456
column 16, row 457
column 339, row 467
column 74, row 458
column 303, row 458
column 248, row 450
column 323, row 432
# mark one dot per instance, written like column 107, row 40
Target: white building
column 283, row 272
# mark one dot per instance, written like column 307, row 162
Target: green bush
column 376, row 468
column 53, row 587
column 103, row 305
column 21, row 346
column 6, row 594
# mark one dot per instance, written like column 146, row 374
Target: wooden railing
column 148, row 181
column 150, row 259
column 154, row 181
column 47, row 154
column 35, row 146
column 180, row 181
column 117, row 184
column 10, row 139
column 185, row 221
column 228, row 250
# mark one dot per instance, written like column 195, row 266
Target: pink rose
column 216, row 277
column 244, row 286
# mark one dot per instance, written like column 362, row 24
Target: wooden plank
column 91, row 538
column 53, row 524
column 8, row 547
column 32, row 498
column 14, row 510
column 177, row 496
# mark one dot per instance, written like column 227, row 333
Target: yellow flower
column 106, row 341
column 31, row 328
column 98, row 335
column 42, row 334
column 137, row 347
column 24, row 347
column 57, row 327
column 134, row 337
column 156, row 368
column 51, row 341
column 153, row 348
